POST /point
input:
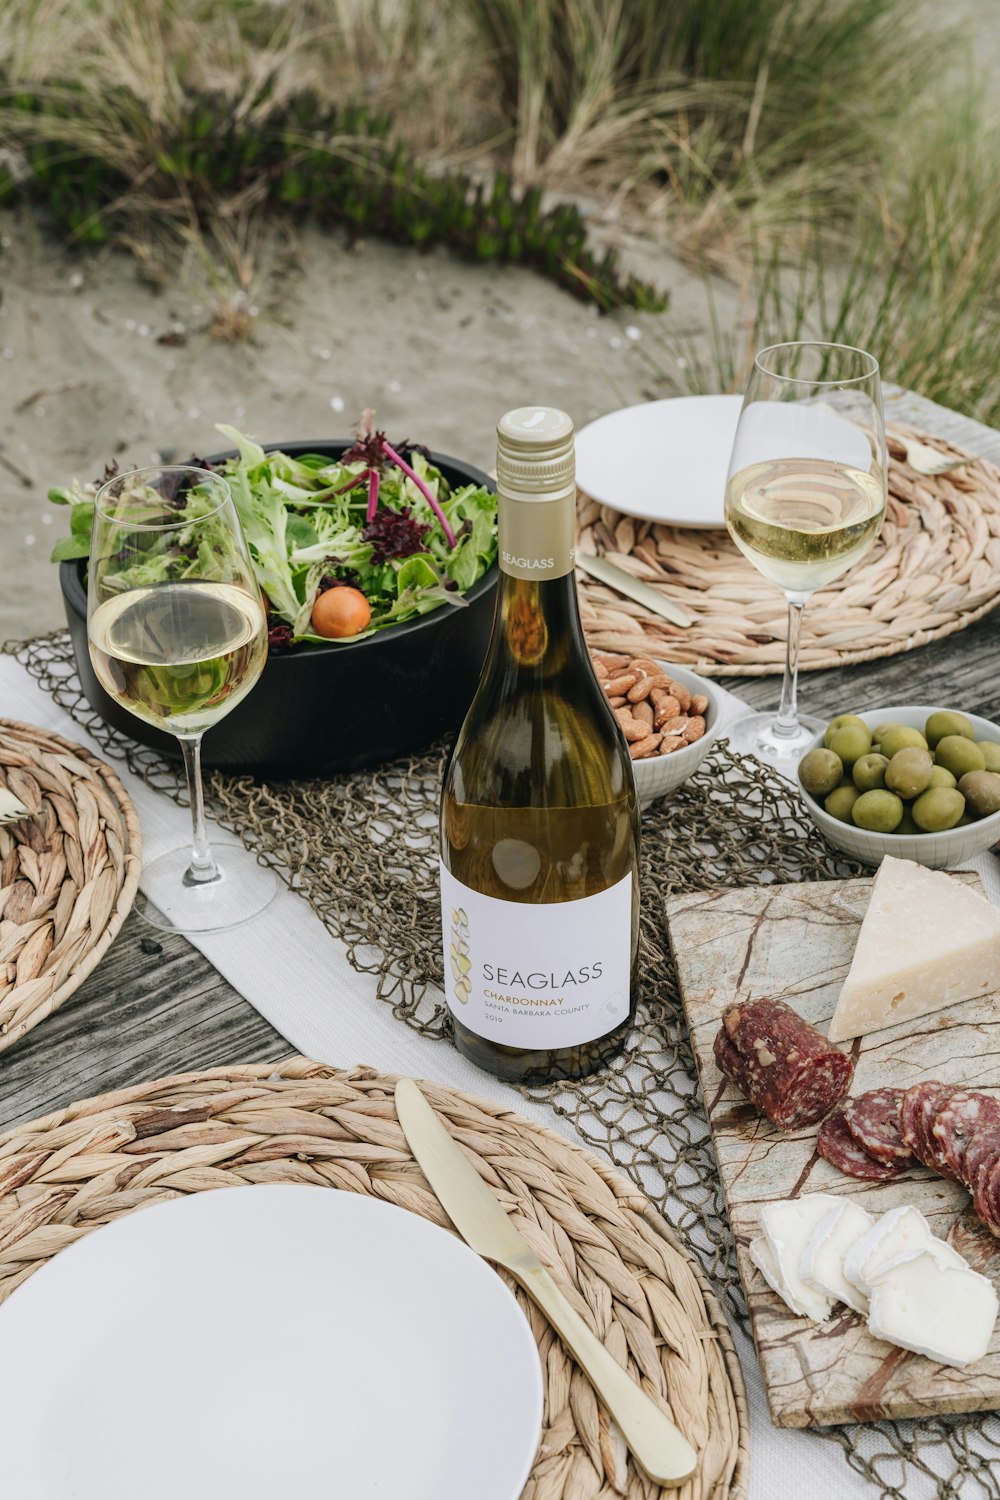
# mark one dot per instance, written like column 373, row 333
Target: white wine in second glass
column 803, row 523
column 805, row 500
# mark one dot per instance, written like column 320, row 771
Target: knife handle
column 660, row 1449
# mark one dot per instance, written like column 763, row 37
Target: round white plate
column 262, row 1342
column 662, row 461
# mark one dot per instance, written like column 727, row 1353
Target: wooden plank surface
column 153, row 1006
column 795, row 943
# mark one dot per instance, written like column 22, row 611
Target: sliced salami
column 909, row 1113
column 917, row 1127
column 984, row 1147
column 843, row 1150
column 956, row 1124
column 986, row 1200
column 785, row 1067
column 874, row 1121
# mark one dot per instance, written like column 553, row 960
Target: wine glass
column 178, row 636
column 805, row 499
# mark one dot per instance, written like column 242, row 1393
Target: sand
column 440, row 348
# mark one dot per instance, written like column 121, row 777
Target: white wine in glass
column 178, row 637
column 805, row 500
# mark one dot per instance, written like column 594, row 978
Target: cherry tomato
column 339, row 612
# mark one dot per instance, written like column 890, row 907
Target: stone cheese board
column 795, row 942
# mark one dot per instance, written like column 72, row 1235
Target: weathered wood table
column 156, row 1005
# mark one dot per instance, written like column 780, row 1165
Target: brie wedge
column 945, row 1312
column 899, row 1233
column 926, row 941
column 11, row 807
column 822, row 1264
column 788, row 1228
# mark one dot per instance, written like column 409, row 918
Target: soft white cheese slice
column 763, row 1258
column 11, row 807
column 899, row 1233
column 926, row 941
column 946, row 1312
column 822, row 1265
column 788, row 1228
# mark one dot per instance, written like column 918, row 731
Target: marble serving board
column 796, row 942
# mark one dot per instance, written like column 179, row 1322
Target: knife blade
column 658, row 1446
column 633, row 588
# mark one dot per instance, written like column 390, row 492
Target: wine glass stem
column 202, row 868
column 787, row 720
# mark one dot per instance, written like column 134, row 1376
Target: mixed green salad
column 380, row 524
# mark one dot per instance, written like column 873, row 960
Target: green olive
column 906, row 823
column 820, row 771
column 850, row 742
column 878, row 811
column 941, row 776
column 843, row 721
column 900, row 737
column 981, row 790
column 884, row 727
column 869, row 772
column 840, row 802
column 909, row 772
column 943, row 723
column 991, row 754
column 940, row 807
column 958, row 755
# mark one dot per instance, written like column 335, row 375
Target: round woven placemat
column 934, row 570
column 619, row 1263
column 68, row 872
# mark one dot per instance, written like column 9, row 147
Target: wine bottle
column 539, row 821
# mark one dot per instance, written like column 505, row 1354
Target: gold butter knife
column 616, row 578
column 659, row 1448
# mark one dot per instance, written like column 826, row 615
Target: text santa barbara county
column 539, row 981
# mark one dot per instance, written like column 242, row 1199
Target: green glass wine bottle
column 539, row 820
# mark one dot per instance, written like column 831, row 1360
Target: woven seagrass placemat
column 620, row 1265
column 340, row 844
column 68, row 872
column 934, row 570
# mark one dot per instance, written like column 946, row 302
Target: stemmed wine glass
column 805, row 499
column 178, row 637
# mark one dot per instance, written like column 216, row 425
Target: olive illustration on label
column 461, row 963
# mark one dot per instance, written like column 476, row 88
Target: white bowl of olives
column 912, row 780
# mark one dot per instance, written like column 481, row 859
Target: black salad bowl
column 318, row 710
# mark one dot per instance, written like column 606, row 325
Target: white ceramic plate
column 662, row 461
column 262, row 1342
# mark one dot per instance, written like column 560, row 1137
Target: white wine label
column 537, row 975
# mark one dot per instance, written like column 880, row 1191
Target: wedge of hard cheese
column 927, row 941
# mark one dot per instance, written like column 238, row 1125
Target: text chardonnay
column 539, row 825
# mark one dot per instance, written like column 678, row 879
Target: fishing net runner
column 362, row 850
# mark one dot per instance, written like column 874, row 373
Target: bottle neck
column 538, row 621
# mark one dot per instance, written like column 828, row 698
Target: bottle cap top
column 535, row 457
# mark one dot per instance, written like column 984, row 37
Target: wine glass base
column 756, row 735
column 242, row 891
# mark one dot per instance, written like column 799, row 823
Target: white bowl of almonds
column 669, row 716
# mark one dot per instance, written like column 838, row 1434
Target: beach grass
column 826, row 155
